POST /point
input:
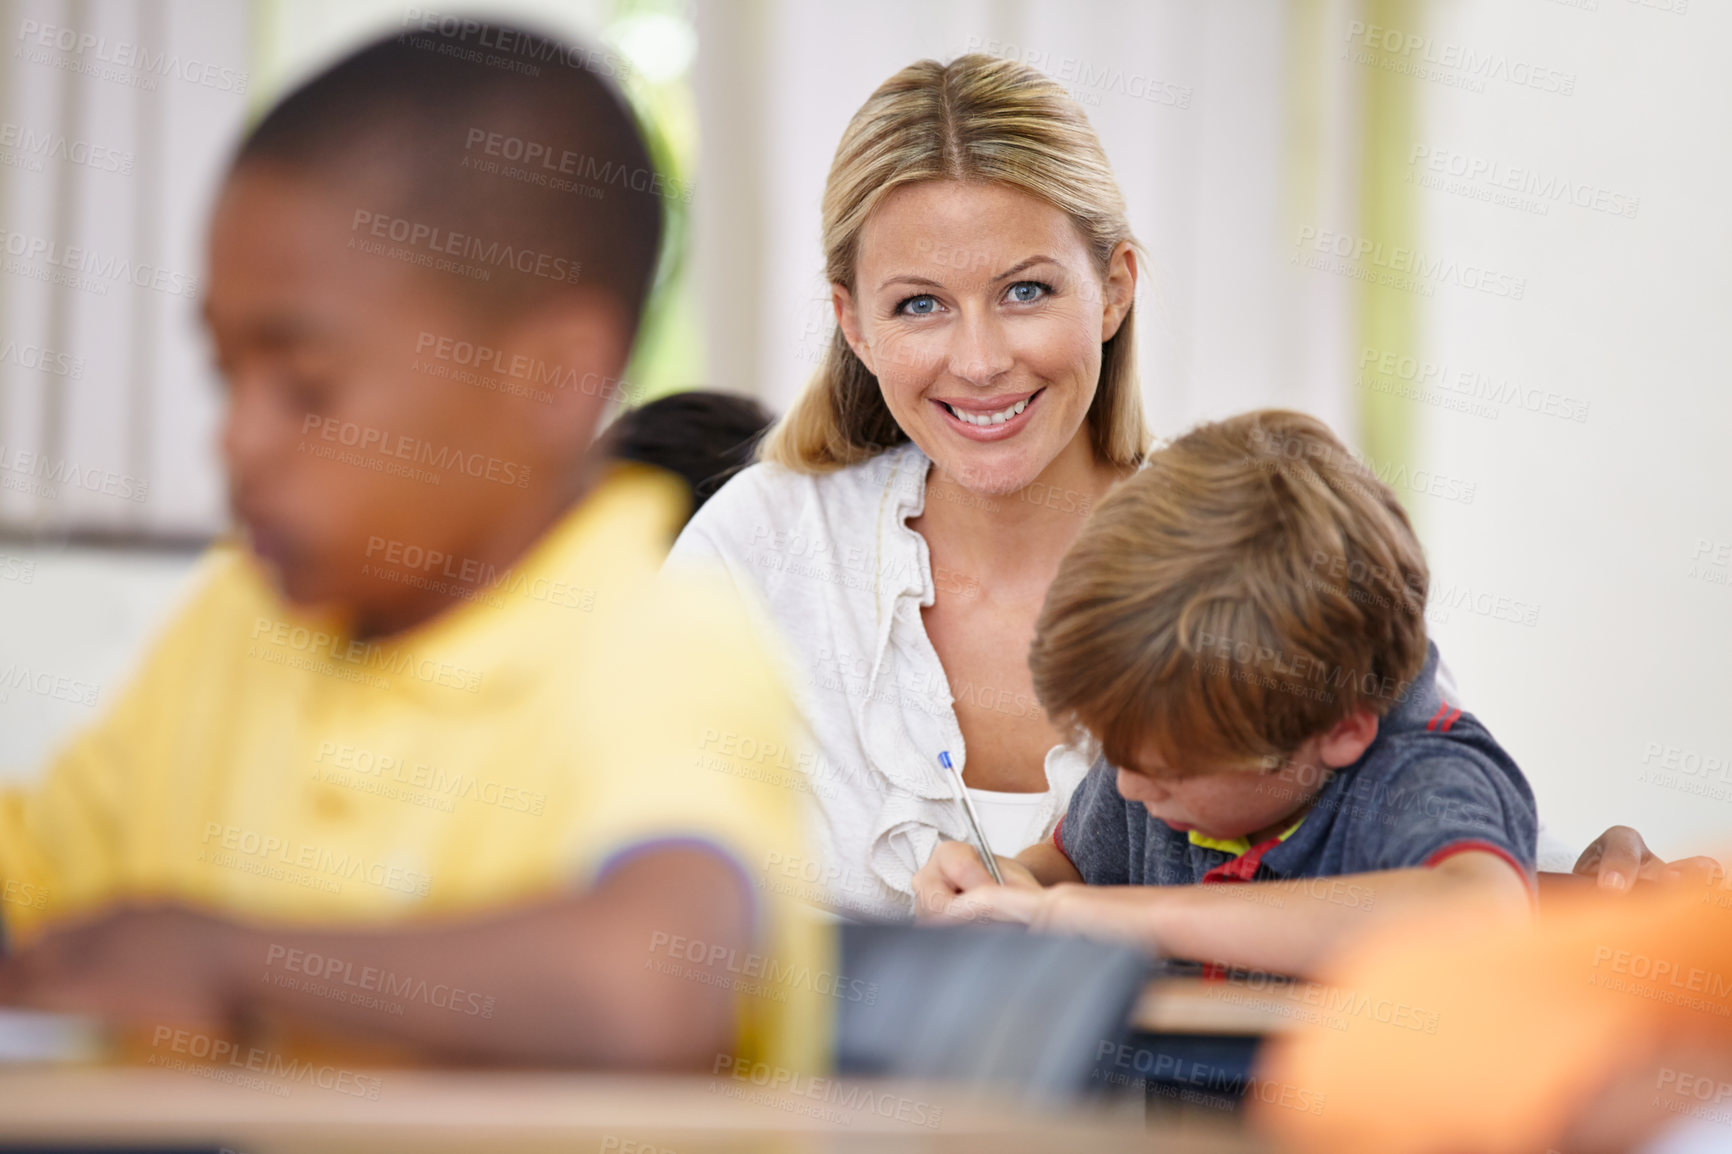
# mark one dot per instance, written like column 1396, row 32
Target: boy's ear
column 583, row 341
column 1347, row 740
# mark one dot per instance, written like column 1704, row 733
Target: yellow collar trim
column 1237, row 846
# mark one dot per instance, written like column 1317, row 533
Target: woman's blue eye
column 920, row 306
column 1027, row 291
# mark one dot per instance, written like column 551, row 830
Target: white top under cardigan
column 831, row 561
column 843, row 578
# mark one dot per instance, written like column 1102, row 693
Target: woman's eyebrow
column 1023, row 265
column 1019, row 266
column 909, row 280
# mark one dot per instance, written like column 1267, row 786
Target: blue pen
column 961, row 791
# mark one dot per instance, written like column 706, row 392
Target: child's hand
column 944, row 885
column 1619, row 857
column 154, row 965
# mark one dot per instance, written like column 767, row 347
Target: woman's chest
column 983, row 648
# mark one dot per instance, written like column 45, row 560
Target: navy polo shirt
column 1432, row 783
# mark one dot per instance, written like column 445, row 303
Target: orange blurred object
column 1589, row 1030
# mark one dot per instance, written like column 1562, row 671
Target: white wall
column 114, row 154
column 74, row 623
column 1596, row 523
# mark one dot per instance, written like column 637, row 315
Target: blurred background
column 1485, row 239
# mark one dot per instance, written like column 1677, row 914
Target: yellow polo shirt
column 575, row 706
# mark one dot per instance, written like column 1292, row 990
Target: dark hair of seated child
column 702, row 436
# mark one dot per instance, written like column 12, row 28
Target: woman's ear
column 849, row 321
column 1348, row 739
column 1118, row 290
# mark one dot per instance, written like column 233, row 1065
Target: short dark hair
column 704, row 437
column 427, row 125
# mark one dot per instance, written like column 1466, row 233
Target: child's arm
column 1281, row 926
column 567, row 981
column 1049, row 865
column 573, row 981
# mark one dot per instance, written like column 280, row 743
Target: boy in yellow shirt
column 437, row 760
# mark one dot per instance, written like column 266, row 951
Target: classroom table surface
column 532, row 1112
column 461, row 1111
column 1252, row 1005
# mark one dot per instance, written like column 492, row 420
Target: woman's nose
column 980, row 355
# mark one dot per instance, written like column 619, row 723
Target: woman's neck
column 1013, row 542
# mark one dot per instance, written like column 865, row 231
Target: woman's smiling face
column 981, row 312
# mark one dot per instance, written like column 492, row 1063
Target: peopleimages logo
column 279, row 1072
column 56, row 146
column 772, row 977
column 33, row 472
column 807, row 1094
column 1089, row 80
column 77, row 259
column 383, row 443
column 279, row 641
column 1495, row 176
column 374, row 980
column 233, row 843
column 502, row 44
column 546, row 164
column 1411, row 267
column 58, row 687
column 436, row 241
column 521, row 366
column 1428, row 58
column 41, row 359
column 1471, row 384
column 133, row 57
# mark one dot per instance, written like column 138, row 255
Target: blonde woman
column 978, row 398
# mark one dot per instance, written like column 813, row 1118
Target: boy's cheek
column 302, row 581
column 1237, row 808
column 322, row 545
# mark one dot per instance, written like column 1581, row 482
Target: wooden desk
column 1237, row 1008
column 531, row 1113
column 1195, row 1043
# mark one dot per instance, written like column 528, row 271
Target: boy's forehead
column 282, row 266
column 1148, row 762
column 269, row 211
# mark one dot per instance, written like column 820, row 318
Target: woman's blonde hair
column 978, row 118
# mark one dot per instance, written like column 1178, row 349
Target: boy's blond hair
column 1250, row 587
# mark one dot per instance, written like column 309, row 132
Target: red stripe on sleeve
column 1056, row 830
column 1472, row 845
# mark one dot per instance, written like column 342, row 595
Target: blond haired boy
column 1240, row 630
